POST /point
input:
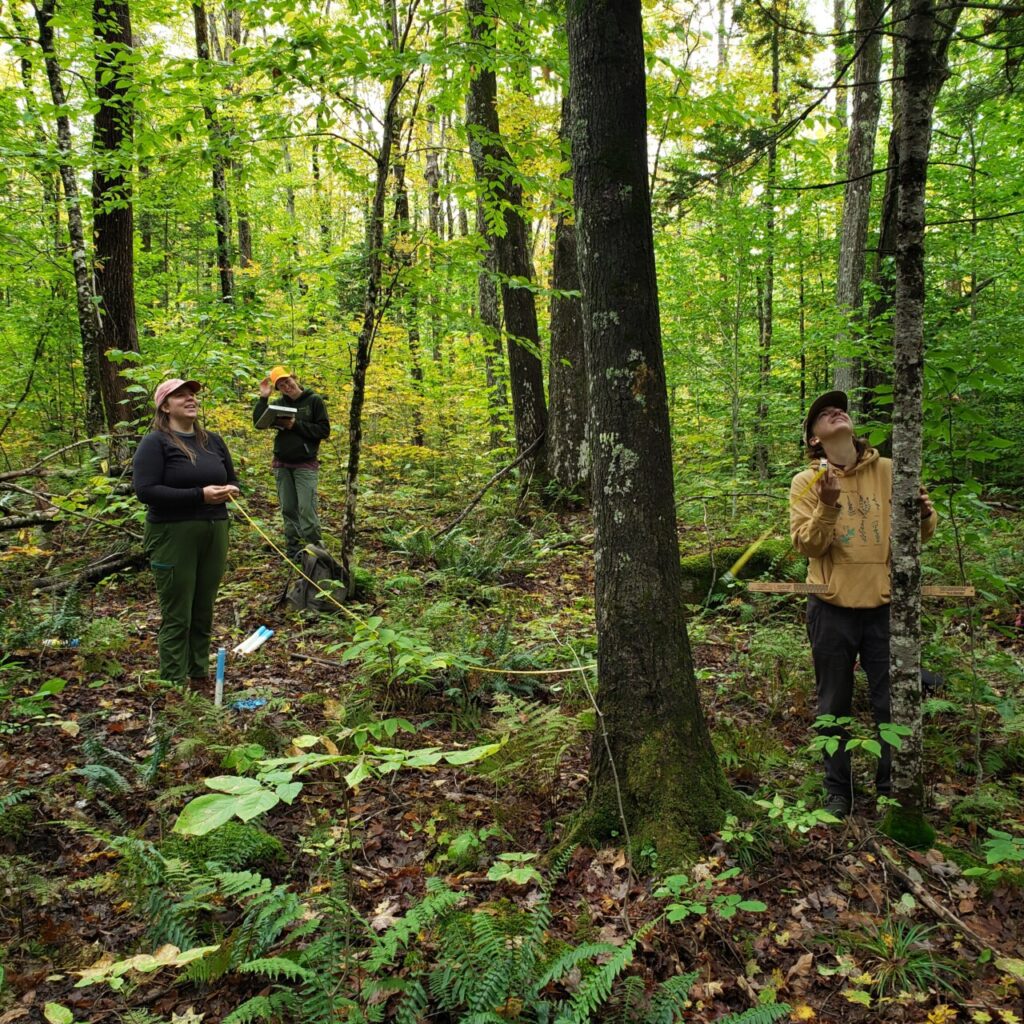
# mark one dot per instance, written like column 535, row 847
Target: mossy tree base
column 909, row 828
column 672, row 796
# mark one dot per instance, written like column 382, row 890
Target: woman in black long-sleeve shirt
column 185, row 476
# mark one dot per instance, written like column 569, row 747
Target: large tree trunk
column 218, row 162
column 653, row 768
column 112, row 215
column 569, row 452
column 491, row 164
column 922, row 77
column 88, row 314
column 860, row 160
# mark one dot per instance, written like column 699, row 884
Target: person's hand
column 265, row 388
column 286, row 422
column 217, row 494
column 233, row 492
column 828, row 489
column 927, row 508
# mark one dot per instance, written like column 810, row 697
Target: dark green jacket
column 301, row 443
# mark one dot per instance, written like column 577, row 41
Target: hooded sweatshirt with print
column 847, row 545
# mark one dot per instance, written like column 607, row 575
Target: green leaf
column 204, row 814
column 474, row 753
column 360, row 771
column 251, row 805
column 288, row 791
column 1011, row 965
column 236, row 784
column 57, row 1014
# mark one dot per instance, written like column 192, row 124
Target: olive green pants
column 188, row 561
column 296, row 491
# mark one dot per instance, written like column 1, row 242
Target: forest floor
column 848, row 933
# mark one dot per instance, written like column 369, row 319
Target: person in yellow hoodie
column 840, row 518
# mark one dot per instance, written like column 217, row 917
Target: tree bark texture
column 652, row 754
column 368, row 329
column 218, row 162
column 919, row 88
column 876, row 372
column 495, row 174
column 766, row 300
column 113, row 206
column 404, row 257
column 88, row 314
column 489, row 309
column 568, row 448
column 841, row 39
column 860, row 161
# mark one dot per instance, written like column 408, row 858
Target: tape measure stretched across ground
column 821, row 588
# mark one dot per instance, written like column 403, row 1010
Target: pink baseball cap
column 172, row 385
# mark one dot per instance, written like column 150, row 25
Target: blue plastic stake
column 218, row 692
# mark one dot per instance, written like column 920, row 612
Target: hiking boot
column 838, row 806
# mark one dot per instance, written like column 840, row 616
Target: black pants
column 838, row 637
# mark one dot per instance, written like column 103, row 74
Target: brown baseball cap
column 831, row 399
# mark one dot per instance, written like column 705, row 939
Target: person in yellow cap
column 295, row 462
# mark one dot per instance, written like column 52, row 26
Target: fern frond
column 9, row 800
column 561, row 966
column 596, row 989
column 103, row 777
column 151, row 766
column 759, row 1015
column 275, row 968
column 670, row 999
column 438, row 902
column 277, row 1006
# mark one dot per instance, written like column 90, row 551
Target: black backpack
column 323, row 569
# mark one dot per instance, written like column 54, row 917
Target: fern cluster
column 231, row 846
column 538, row 736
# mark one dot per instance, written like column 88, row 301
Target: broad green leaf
column 235, row 784
column 251, row 805
column 474, row 753
column 204, row 814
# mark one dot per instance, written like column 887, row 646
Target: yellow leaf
column 803, row 1012
column 942, row 1014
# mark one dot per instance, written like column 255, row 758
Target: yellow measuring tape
column 749, row 553
column 237, row 505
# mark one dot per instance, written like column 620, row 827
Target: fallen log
column 31, row 519
column 93, row 572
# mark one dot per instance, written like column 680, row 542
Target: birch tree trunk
column 876, row 370
column 922, row 77
column 860, row 161
column 653, row 770
column 88, row 312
